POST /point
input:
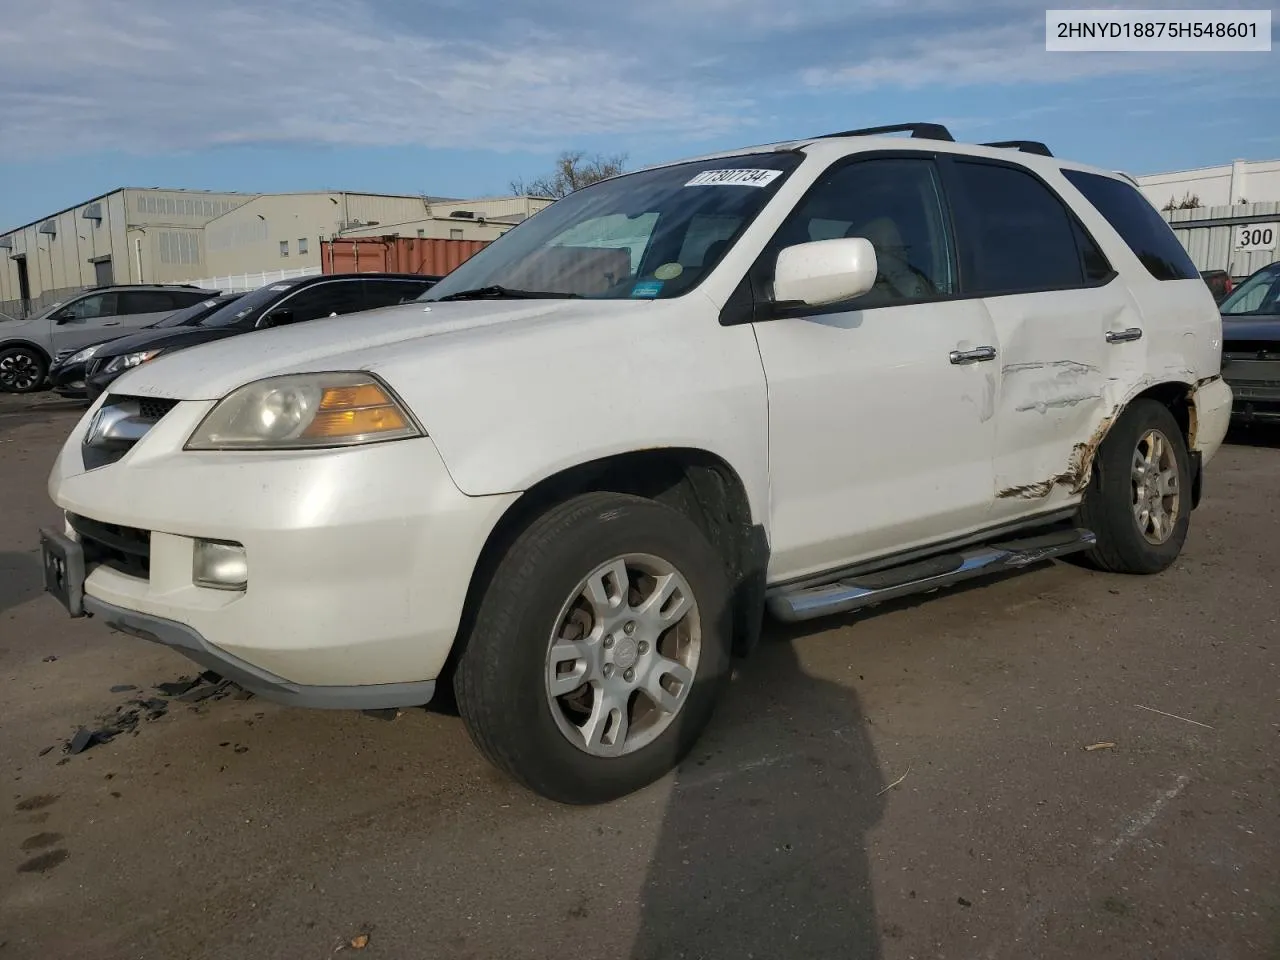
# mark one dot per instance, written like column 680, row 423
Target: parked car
column 1219, row 283
column 67, row 374
column 1251, row 345
column 570, row 480
column 276, row 304
column 27, row 347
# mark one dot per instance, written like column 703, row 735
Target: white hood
column 210, row 371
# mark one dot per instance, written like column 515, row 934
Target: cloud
column 157, row 76
column 1007, row 54
column 153, row 75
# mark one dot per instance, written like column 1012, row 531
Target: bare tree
column 573, row 171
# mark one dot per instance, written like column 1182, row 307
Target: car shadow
column 21, row 579
column 1254, row 435
column 763, row 846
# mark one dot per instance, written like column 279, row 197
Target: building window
column 422, row 232
column 455, row 234
column 302, row 246
column 284, row 248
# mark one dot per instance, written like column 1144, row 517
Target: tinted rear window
column 1018, row 236
column 1138, row 223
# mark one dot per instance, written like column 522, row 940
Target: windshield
column 237, row 310
column 193, row 313
column 1260, row 294
column 648, row 235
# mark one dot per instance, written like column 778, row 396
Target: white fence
column 241, row 282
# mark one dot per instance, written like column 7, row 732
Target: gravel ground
column 911, row 783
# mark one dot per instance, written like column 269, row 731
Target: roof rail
column 919, row 131
column 1024, row 146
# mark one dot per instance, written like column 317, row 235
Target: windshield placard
column 736, row 178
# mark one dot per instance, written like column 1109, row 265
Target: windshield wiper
column 496, row 292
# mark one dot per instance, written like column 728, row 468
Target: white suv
column 569, row 480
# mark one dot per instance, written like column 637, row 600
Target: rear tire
column 1138, row 501
column 22, row 370
column 555, row 614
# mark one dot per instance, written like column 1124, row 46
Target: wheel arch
column 1179, row 397
column 699, row 484
column 19, row 342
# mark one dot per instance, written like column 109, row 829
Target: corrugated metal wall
column 367, row 207
column 397, row 254
column 1211, row 246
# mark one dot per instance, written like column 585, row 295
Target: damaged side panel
column 1060, row 385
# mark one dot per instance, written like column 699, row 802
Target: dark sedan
column 67, row 374
column 276, row 304
column 1251, row 346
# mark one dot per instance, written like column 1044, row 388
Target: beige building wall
column 520, row 208
column 1231, row 184
column 494, row 216
column 435, row 228
column 283, row 231
column 139, row 236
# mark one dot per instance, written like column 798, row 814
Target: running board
column 864, row 590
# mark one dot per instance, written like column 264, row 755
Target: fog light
column 220, row 565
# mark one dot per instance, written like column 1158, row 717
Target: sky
column 460, row 97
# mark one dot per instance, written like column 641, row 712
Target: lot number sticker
column 1257, row 236
column 737, row 178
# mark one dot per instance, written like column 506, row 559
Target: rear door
column 141, row 308
column 1053, row 298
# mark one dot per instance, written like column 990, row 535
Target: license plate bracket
column 63, row 570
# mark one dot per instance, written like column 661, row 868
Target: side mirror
column 824, row 271
column 278, row 318
column 61, row 317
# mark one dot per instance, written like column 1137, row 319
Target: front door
column 89, row 320
column 881, row 424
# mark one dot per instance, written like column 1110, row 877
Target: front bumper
column 359, row 559
column 1255, row 386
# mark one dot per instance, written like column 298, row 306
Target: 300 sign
column 1257, row 236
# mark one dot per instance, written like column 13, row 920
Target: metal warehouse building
column 133, row 235
column 1235, row 224
column 125, row 236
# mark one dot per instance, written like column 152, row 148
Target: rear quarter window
column 1130, row 214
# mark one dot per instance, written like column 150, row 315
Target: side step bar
column 864, row 590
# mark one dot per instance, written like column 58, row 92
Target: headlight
column 81, row 357
column 304, row 410
column 127, row 361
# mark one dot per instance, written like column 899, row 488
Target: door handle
column 1124, row 336
column 976, row 355
column 111, row 323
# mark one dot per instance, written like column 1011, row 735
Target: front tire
column 22, row 370
column 599, row 648
column 1138, row 502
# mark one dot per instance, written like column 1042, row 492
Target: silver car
column 28, row 347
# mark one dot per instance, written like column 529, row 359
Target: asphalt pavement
column 1058, row 764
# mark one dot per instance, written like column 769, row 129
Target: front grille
column 120, row 423
column 124, row 549
column 153, row 408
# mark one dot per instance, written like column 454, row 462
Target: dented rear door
column 1053, row 297
column 1057, row 382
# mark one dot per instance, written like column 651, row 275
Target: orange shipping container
column 421, row 255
